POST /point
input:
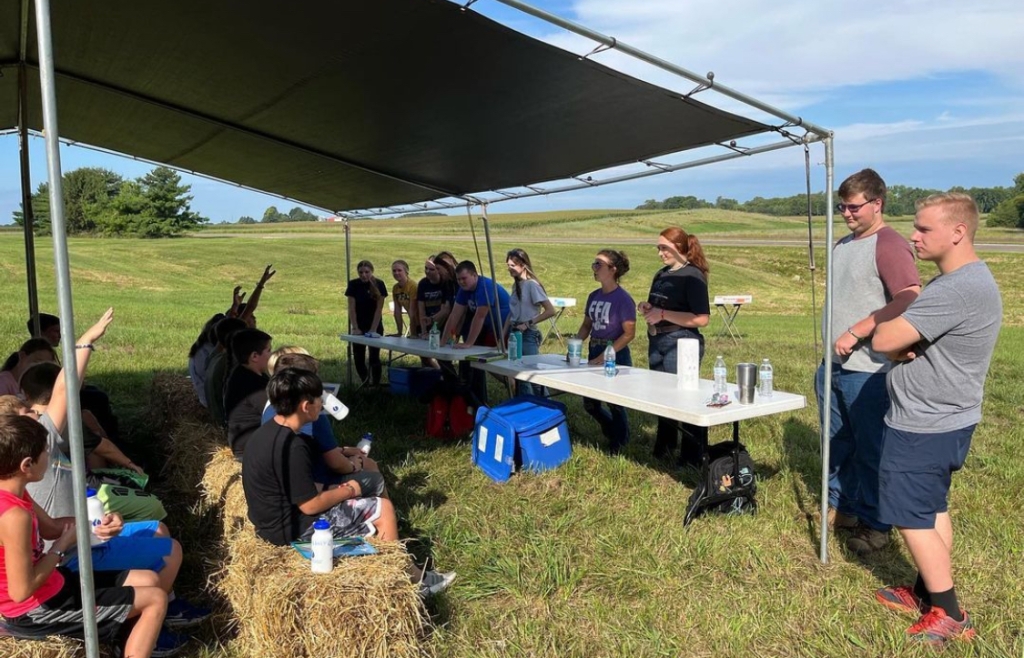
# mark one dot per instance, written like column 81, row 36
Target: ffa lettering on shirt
column 599, row 314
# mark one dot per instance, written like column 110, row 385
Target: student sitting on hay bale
column 281, row 492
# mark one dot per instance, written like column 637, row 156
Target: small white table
column 560, row 304
column 417, row 347
column 729, row 316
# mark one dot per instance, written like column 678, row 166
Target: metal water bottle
column 322, row 543
column 611, row 368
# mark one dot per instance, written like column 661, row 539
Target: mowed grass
column 590, row 559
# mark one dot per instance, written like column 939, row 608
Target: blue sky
column 930, row 94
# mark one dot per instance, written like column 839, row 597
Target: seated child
column 335, row 464
column 217, row 368
column 245, row 392
column 37, row 597
column 199, row 356
column 281, row 493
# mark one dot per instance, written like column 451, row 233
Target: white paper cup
column 575, row 353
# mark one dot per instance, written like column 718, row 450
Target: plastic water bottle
column 764, row 378
column 365, row 443
column 513, row 348
column 610, row 367
column 95, row 507
column 720, row 372
column 323, row 547
column 434, row 338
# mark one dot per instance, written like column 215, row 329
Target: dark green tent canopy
column 344, row 105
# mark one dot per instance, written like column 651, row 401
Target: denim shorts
column 915, row 474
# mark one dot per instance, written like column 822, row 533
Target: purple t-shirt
column 608, row 311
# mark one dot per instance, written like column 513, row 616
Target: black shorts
column 62, row 614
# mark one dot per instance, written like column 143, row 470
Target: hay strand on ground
column 54, row 647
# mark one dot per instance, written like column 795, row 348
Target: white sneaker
column 435, row 582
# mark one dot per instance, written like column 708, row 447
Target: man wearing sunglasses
column 875, row 278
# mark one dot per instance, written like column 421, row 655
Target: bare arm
column 477, row 325
column 328, row 498
column 399, row 322
column 451, row 327
column 57, row 409
column 257, row 292
column 353, row 324
column 584, row 331
column 23, row 577
column 863, row 329
column 895, row 338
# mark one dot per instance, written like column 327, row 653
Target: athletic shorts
column 915, row 474
column 62, row 613
column 350, row 518
column 131, row 504
column 135, row 548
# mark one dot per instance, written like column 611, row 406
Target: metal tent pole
column 496, row 308
column 826, row 404
column 67, row 325
column 348, row 277
column 26, row 202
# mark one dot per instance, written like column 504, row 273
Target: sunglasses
column 598, row 264
column 853, row 207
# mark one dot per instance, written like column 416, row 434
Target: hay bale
column 222, row 489
column 365, row 607
column 171, row 399
column 54, row 647
column 190, row 444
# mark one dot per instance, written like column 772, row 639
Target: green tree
column 272, row 216
column 1009, row 213
column 169, row 209
column 246, row 219
column 88, row 193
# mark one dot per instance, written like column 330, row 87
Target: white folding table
column 728, row 316
column 560, row 304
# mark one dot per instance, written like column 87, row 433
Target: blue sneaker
column 167, row 644
column 182, row 614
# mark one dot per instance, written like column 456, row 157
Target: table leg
column 553, row 326
column 728, row 327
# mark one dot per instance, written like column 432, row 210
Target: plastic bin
column 526, row 432
column 416, row 382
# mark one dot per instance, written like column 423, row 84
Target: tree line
column 100, row 202
column 1004, row 205
column 273, row 216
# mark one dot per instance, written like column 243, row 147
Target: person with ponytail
column 677, row 307
column 528, row 306
column 366, row 295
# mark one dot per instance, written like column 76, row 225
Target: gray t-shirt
column 958, row 316
column 55, row 492
column 525, row 309
column 867, row 273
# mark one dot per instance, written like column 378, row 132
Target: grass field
column 590, row 559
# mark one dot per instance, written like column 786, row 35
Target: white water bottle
column 365, row 443
column 322, row 543
column 611, row 368
column 95, row 508
column 764, row 379
column 513, row 347
column 720, row 372
column 434, row 338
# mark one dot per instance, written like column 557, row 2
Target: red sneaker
column 901, row 598
column 936, row 628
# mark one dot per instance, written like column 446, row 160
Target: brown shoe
column 866, row 541
column 841, row 521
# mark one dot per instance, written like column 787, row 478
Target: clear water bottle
column 513, row 347
column 764, row 379
column 720, row 372
column 322, row 544
column 95, row 508
column 365, row 443
column 611, row 368
column 434, row 338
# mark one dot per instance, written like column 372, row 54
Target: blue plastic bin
column 416, row 382
column 525, row 432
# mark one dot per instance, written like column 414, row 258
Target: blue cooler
column 525, row 432
column 416, row 382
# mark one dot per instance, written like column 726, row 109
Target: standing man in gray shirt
column 943, row 345
column 875, row 279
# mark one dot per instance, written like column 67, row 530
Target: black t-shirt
column 277, row 477
column 245, row 396
column 433, row 295
column 366, row 305
column 684, row 290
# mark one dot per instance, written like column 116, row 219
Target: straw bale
column 222, row 489
column 53, row 647
column 365, row 607
column 190, row 445
column 173, row 398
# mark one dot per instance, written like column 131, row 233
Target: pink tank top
column 9, row 608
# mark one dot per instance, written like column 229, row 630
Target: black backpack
column 728, row 483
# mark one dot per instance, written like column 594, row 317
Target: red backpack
column 449, row 417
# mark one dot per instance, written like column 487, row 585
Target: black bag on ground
column 728, row 483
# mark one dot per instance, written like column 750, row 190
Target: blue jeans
column 860, row 401
column 613, row 421
column 531, row 346
column 662, row 356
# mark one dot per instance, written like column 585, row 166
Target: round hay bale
column 52, row 647
column 365, row 607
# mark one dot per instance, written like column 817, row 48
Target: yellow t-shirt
column 405, row 295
